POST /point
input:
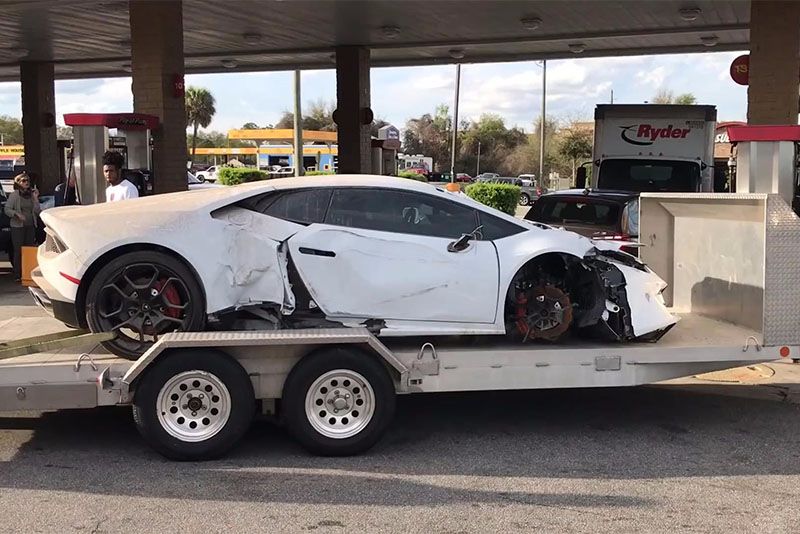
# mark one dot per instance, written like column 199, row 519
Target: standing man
column 22, row 208
column 118, row 189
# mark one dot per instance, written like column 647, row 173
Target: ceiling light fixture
column 709, row 40
column 390, row 31
column 457, row 53
column 530, row 23
column 230, row 63
column 690, row 13
column 252, row 38
column 577, row 48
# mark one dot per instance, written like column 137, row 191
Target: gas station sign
column 740, row 69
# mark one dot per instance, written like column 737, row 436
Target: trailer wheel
column 194, row 405
column 338, row 402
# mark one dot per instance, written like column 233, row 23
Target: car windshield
column 576, row 211
column 643, row 175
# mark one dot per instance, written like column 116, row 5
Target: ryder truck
column 652, row 147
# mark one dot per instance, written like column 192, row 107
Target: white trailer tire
column 338, row 402
column 194, row 404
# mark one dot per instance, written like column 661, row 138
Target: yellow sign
column 287, row 135
column 12, row 150
column 224, row 151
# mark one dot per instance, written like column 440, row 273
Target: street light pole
column 478, row 168
column 544, row 120
column 455, row 125
column 298, row 128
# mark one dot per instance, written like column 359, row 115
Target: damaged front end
column 607, row 294
column 622, row 298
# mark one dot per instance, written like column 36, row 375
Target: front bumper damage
column 627, row 301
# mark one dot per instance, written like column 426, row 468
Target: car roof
column 599, row 194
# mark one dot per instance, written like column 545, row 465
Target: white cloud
column 652, row 78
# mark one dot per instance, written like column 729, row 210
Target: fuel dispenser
column 91, row 140
column 767, row 160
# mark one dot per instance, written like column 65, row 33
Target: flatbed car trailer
column 731, row 261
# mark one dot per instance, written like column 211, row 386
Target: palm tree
column 199, row 110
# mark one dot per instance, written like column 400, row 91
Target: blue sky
column 512, row 90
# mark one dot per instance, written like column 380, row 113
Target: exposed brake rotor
column 543, row 312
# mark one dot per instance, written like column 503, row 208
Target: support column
column 39, row 123
column 772, row 97
column 157, row 64
column 353, row 115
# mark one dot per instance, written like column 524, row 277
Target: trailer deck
column 737, row 300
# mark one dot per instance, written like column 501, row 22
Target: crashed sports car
column 402, row 258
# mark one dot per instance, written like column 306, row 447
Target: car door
column 383, row 254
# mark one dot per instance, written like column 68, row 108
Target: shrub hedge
column 235, row 176
column 413, row 176
column 503, row 197
column 319, row 173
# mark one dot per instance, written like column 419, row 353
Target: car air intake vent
column 54, row 244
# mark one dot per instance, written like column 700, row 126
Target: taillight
column 611, row 237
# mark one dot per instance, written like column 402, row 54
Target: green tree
column 687, row 99
column 11, row 130
column 665, row 96
column 250, row 126
column 317, row 117
column 429, row 135
column 497, row 142
column 575, row 144
column 199, row 111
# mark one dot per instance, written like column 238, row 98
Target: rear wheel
column 140, row 296
column 338, row 402
column 194, row 405
column 524, row 199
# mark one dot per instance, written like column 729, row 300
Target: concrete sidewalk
column 775, row 381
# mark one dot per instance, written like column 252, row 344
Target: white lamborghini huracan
column 398, row 256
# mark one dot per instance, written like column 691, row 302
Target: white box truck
column 652, row 148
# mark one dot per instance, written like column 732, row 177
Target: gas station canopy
column 91, row 38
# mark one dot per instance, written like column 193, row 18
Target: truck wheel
column 524, row 199
column 338, row 402
column 194, row 405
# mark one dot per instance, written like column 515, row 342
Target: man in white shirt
column 118, row 189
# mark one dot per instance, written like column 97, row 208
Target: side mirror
column 460, row 244
column 580, row 178
column 463, row 242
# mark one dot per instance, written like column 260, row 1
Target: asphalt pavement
column 714, row 454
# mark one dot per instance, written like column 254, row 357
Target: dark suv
column 594, row 214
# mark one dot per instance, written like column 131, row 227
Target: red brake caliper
column 170, row 295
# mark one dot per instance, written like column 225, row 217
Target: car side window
column 402, row 212
column 303, row 206
column 493, row 228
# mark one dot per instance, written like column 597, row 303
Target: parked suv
column 594, row 214
column 528, row 193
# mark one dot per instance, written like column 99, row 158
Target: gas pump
column 91, row 140
column 767, row 160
